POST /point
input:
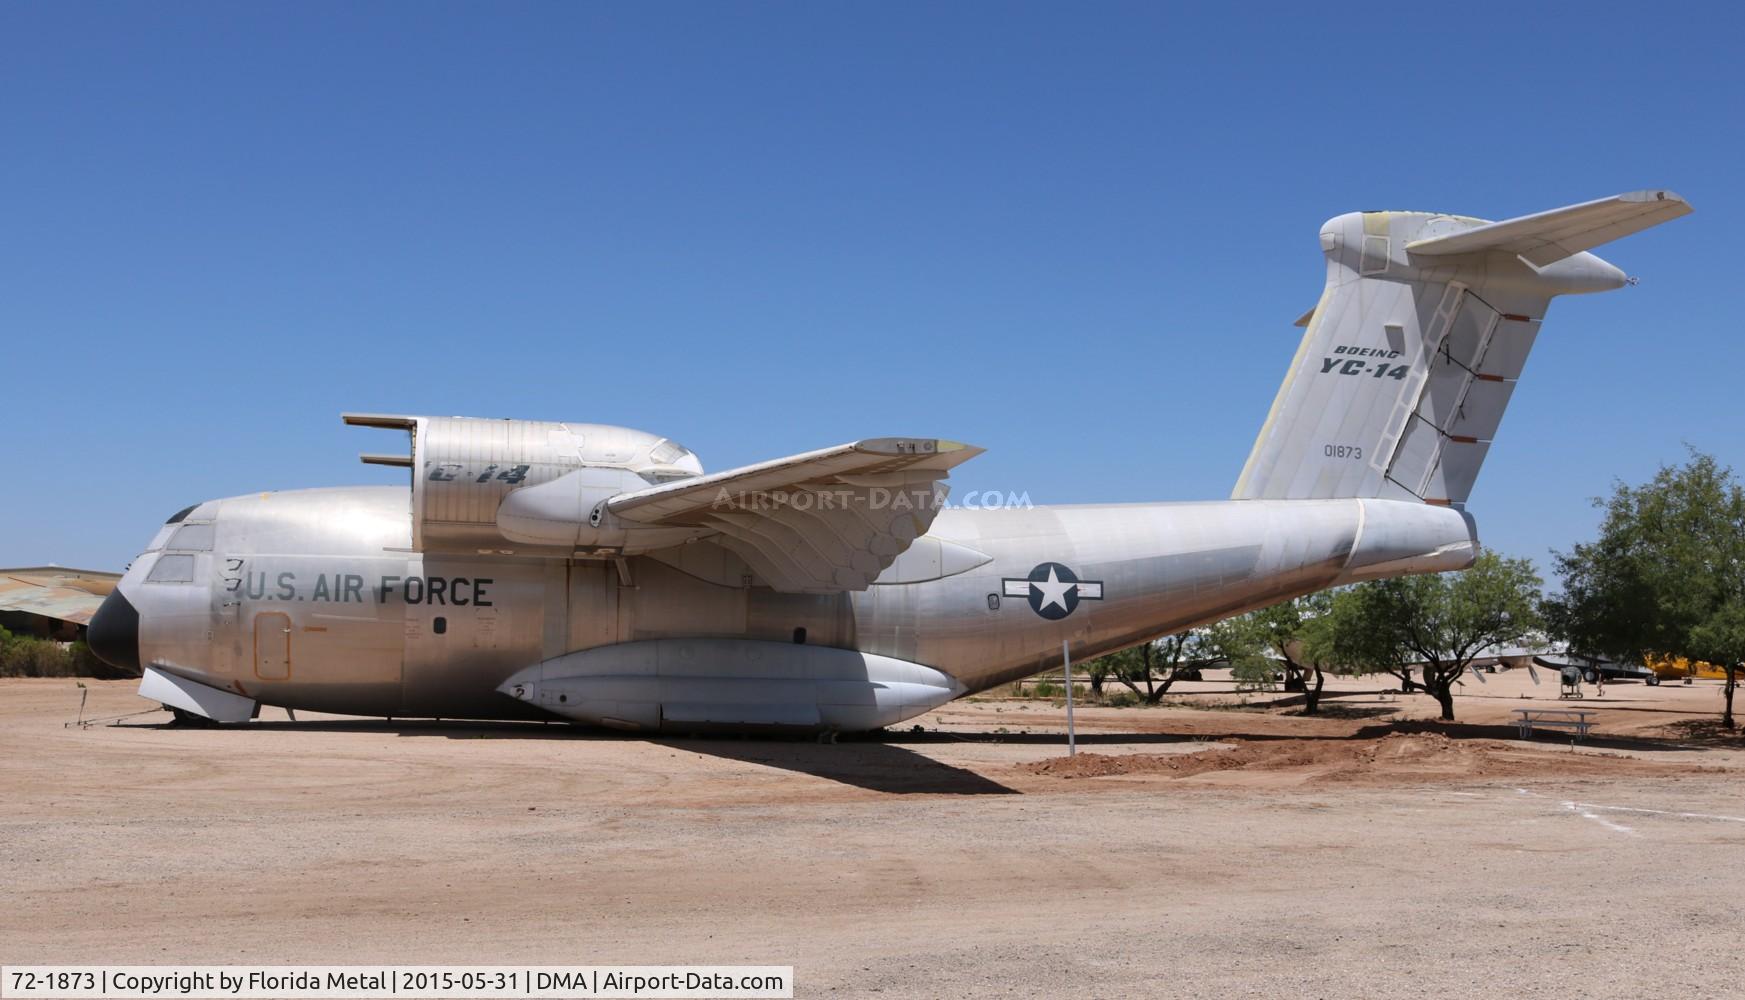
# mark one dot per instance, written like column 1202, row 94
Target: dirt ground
column 1217, row 850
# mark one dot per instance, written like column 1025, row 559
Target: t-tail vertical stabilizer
column 1414, row 349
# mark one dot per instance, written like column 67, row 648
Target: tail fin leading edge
column 1413, row 351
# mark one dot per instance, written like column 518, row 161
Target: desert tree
column 1262, row 644
column 1149, row 668
column 1665, row 576
column 1239, row 643
column 1292, row 633
column 1439, row 622
column 1098, row 671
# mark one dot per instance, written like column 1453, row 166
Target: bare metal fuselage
column 596, row 573
column 314, row 599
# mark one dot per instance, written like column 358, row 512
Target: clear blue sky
column 1074, row 234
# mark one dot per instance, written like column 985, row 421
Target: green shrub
column 26, row 656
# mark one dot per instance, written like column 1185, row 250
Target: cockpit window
column 196, row 537
column 172, row 568
column 163, row 535
column 182, row 514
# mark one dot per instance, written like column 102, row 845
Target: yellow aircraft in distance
column 1677, row 668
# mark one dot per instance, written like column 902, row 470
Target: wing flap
column 824, row 521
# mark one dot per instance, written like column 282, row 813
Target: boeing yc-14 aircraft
column 597, row 574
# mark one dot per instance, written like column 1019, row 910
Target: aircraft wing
column 1545, row 237
column 821, row 522
column 53, row 592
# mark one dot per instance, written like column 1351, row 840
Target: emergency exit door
column 272, row 646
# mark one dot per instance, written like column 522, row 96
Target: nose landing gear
column 189, row 720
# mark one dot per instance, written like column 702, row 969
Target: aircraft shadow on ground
column 875, row 766
column 450, row 729
column 866, row 763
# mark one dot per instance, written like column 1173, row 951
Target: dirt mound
column 1396, row 757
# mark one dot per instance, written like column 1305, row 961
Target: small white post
column 1066, row 659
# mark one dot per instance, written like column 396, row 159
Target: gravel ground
column 1323, row 858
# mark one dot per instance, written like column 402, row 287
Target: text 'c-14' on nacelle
column 538, row 570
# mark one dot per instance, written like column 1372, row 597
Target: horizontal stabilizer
column 1545, row 237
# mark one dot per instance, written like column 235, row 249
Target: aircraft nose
column 113, row 634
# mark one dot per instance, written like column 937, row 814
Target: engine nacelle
column 570, row 511
column 464, row 468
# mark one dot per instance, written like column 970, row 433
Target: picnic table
column 1572, row 720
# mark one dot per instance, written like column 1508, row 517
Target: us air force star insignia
column 1053, row 590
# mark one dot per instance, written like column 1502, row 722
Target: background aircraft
column 52, row 602
column 596, row 573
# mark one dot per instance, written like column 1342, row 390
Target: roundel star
column 1053, row 590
